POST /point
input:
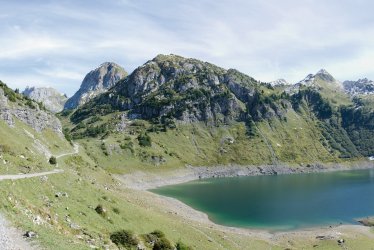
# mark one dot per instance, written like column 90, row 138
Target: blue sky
column 55, row 43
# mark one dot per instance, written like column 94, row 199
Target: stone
column 51, row 98
column 30, row 234
column 341, row 241
column 96, row 82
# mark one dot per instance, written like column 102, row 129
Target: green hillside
column 174, row 111
column 169, row 113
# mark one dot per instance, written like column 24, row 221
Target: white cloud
column 56, row 43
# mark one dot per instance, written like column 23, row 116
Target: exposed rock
column 38, row 119
column 30, row 234
column 3, row 99
column 279, row 82
column 51, row 98
column 96, row 82
column 186, row 89
column 341, row 241
column 61, row 194
column 315, row 80
column 359, row 87
column 29, row 113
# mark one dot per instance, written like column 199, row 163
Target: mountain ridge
column 97, row 81
column 170, row 94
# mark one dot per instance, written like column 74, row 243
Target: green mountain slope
column 168, row 113
column 174, row 111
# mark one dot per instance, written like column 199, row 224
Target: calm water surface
column 283, row 202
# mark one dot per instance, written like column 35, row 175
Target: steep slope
column 174, row 111
column 29, row 134
column 51, row 98
column 96, row 82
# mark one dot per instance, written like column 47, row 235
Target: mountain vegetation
column 169, row 113
column 221, row 116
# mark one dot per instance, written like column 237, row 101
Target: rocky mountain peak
column 53, row 100
column 186, row 89
column 324, row 75
column 96, row 82
column 360, row 87
column 279, row 82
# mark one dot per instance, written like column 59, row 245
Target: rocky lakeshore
column 144, row 181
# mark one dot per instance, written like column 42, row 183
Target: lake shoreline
column 146, row 181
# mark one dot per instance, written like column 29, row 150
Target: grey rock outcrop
column 279, row 82
column 186, row 89
column 34, row 117
column 96, row 82
column 171, row 87
column 359, row 87
column 53, row 100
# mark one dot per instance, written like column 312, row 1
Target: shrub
column 52, row 160
column 181, row 246
column 124, row 238
column 100, row 210
column 116, row 210
column 158, row 233
column 145, row 140
column 163, row 244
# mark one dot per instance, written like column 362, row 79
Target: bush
column 145, row 140
column 124, row 238
column 163, row 244
column 52, row 160
column 158, row 233
column 181, row 246
column 116, row 210
column 100, row 210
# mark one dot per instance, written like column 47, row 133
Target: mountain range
column 168, row 116
column 314, row 120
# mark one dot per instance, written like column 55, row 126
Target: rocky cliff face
column 184, row 89
column 51, row 98
column 14, row 106
column 171, row 90
column 359, row 87
column 96, row 82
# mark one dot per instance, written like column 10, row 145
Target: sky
column 56, row 43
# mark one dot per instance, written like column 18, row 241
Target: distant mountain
column 16, row 107
column 321, row 76
column 53, row 100
column 359, row 87
column 279, row 82
column 96, row 82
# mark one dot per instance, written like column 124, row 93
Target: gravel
column 11, row 238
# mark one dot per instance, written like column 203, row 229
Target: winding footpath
column 10, row 237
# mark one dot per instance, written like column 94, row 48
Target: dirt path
column 11, row 239
column 76, row 151
column 25, row 176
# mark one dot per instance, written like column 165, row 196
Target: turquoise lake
column 280, row 202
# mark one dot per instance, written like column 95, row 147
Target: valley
column 172, row 120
